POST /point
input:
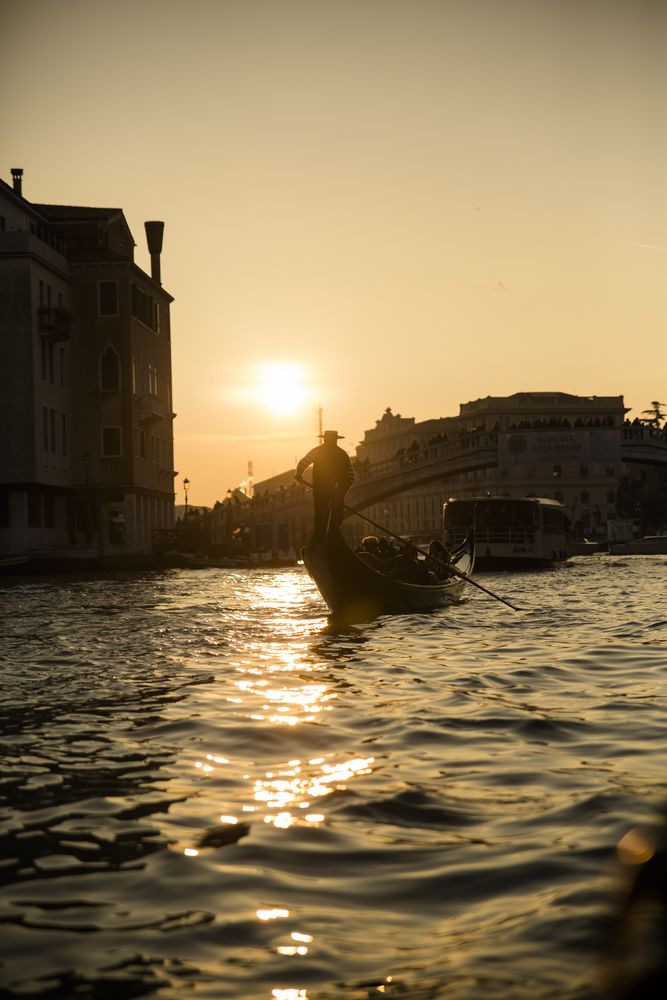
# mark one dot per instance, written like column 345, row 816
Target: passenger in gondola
column 407, row 567
column 332, row 476
column 439, row 560
column 386, row 549
column 369, row 551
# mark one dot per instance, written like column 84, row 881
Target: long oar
column 447, row 566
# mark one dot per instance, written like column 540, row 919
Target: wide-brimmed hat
column 332, row 436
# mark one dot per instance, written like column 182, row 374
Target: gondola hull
column 355, row 591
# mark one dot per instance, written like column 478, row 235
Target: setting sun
column 281, row 387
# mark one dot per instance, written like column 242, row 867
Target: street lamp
column 186, row 484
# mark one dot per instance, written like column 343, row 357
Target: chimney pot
column 17, row 178
column 154, row 232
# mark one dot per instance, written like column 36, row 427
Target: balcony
column 54, row 323
column 151, row 409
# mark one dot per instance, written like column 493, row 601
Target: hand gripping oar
column 446, row 566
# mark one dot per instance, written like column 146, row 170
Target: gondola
column 355, row 591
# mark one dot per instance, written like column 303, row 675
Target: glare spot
column 636, row 847
column 297, row 936
column 289, row 994
column 290, row 949
column 229, row 819
column 283, row 792
column 283, row 820
column 272, row 914
column 190, row 852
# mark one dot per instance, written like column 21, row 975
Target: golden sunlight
column 281, row 388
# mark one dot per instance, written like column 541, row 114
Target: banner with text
column 530, row 447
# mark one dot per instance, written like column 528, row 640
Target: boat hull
column 650, row 545
column 354, row 591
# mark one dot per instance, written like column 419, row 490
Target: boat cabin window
column 553, row 520
column 490, row 514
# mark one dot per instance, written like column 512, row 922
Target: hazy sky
column 419, row 202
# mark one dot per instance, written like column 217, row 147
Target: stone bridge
column 428, row 466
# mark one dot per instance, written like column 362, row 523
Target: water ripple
column 206, row 790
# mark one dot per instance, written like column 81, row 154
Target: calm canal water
column 208, row 792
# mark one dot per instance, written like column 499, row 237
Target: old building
column 576, row 449
column 580, row 450
column 86, row 382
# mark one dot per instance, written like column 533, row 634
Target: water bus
column 510, row 533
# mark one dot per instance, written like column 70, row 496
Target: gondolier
column 332, row 475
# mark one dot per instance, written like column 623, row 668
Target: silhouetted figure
column 369, row 551
column 332, row 475
column 386, row 549
column 438, row 560
column 407, row 567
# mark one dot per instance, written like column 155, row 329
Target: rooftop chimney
column 154, row 231
column 17, row 178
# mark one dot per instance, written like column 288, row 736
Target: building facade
column 85, row 344
column 580, row 450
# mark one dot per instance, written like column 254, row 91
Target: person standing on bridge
column 332, row 476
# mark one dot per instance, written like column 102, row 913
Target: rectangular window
column 585, row 497
column 61, row 365
column 107, row 298
column 609, row 471
column 63, row 432
column 152, row 380
column 34, row 509
column 45, row 428
column 48, row 510
column 144, row 308
column 142, row 443
column 111, row 442
column 134, row 375
column 47, row 355
column 583, row 471
column 52, row 428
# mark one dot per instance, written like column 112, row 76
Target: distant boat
column 648, row 545
column 584, row 547
column 7, row 562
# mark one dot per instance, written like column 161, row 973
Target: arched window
column 109, row 370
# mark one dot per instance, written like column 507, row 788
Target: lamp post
column 186, row 484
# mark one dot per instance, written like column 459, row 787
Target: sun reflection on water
column 294, row 787
column 263, row 698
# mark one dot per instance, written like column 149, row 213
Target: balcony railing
column 151, row 409
column 55, row 323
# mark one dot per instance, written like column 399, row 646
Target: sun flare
column 282, row 388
